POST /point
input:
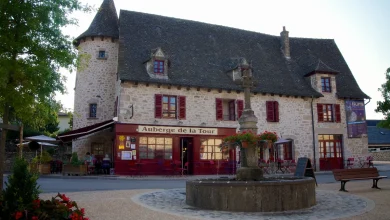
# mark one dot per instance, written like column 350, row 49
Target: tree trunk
column 2, row 144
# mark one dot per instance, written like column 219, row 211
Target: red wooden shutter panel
column 337, row 113
column 270, row 111
column 158, row 106
column 276, row 108
column 182, row 107
column 219, row 109
column 320, row 112
column 240, row 108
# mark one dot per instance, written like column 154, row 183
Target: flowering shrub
column 20, row 199
column 268, row 135
column 250, row 137
column 59, row 207
column 245, row 136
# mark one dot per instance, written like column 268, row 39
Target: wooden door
column 330, row 147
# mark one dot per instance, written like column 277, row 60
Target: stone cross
column 247, row 83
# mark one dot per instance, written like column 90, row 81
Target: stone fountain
column 250, row 191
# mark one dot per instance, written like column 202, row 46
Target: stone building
column 163, row 89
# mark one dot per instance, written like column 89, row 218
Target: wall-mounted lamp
column 155, row 122
column 203, row 124
column 180, row 123
column 98, row 96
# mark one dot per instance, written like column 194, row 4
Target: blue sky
column 361, row 29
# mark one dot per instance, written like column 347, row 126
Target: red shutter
column 337, row 113
column 276, row 111
column 240, row 108
column 270, row 110
column 219, row 109
column 158, row 106
column 320, row 113
column 182, row 107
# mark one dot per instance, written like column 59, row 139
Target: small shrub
column 45, row 158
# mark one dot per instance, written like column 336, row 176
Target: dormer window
column 325, row 84
column 158, row 67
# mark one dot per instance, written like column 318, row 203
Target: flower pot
column 244, row 144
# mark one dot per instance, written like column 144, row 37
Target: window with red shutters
column 329, row 113
column 272, row 111
column 158, row 106
column 219, row 109
column 182, row 107
column 240, row 108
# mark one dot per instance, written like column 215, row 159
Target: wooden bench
column 345, row 175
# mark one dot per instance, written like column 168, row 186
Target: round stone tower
column 94, row 100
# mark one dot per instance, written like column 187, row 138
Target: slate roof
column 105, row 23
column 200, row 54
column 377, row 135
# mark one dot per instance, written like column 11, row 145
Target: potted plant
column 268, row 137
column 245, row 139
column 75, row 167
column 42, row 163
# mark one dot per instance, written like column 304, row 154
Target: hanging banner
column 356, row 118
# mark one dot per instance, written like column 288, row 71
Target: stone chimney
column 285, row 42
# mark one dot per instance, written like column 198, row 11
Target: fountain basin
column 268, row 195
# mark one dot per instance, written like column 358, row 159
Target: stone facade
column 294, row 112
column 381, row 156
column 95, row 82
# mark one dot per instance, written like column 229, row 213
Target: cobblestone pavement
column 360, row 203
column 330, row 205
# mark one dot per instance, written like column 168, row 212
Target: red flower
column 75, row 216
column 69, row 205
column 36, row 203
column 86, row 218
column 18, row 215
column 82, row 211
column 34, row 218
column 64, row 198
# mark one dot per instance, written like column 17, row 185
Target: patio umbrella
column 42, row 140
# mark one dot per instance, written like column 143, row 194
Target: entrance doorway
column 331, row 155
column 186, row 156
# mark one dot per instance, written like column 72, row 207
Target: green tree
column 384, row 107
column 21, row 189
column 32, row 50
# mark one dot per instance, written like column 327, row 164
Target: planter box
column 33, row 167
column 44, row 168
column 74, row 170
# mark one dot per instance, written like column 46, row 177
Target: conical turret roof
column 105, row 23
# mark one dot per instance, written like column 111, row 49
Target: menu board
column 304, row 168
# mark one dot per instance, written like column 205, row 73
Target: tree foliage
column 384, row 106
column 32, row 50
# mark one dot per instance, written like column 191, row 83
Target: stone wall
column 295, row 114
column 95, row 81
column 10, row 159
column 381, row 156
column 95, row 84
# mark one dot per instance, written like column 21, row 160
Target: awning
column 68, row 136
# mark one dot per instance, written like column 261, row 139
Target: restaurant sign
column 177, row 130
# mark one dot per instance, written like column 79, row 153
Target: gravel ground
column 102, row 205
